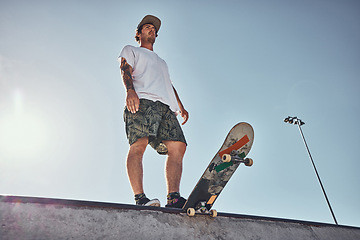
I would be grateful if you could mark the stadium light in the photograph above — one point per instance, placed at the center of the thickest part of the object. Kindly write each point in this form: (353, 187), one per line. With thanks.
(299, 123)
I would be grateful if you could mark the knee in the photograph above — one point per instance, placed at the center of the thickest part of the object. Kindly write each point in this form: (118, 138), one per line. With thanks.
(138, 148)
(176, 149)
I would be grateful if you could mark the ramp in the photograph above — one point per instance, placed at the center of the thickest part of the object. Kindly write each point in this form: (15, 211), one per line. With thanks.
(25, 218)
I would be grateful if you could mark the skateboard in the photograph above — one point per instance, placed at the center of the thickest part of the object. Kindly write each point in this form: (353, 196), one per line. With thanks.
(232, 153)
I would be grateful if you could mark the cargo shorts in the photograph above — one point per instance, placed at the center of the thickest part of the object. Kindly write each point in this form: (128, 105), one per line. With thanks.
(154, 120)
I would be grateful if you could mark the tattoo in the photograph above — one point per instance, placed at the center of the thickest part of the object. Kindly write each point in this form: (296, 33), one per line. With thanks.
(126, 71)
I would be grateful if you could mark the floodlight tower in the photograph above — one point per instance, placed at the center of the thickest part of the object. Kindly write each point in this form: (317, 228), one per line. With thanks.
(299, 123)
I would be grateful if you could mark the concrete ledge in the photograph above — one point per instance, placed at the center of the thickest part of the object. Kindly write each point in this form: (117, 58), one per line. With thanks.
(43, 218)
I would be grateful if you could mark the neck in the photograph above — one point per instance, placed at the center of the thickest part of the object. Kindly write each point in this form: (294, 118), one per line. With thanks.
(147, 46)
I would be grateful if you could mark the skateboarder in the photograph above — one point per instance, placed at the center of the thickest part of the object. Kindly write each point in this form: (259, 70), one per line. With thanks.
(150, 113)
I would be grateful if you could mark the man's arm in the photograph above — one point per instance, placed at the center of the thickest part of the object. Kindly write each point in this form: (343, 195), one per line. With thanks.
(132, 99)
(184, 114)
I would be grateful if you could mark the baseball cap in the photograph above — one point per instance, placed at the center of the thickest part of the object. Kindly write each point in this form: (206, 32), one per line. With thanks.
(152, 20)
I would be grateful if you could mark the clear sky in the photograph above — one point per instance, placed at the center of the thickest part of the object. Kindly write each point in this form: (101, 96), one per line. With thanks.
(62, 98)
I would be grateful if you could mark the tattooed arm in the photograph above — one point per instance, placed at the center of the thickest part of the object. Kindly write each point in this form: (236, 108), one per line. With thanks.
(132, 99)
(184, 114)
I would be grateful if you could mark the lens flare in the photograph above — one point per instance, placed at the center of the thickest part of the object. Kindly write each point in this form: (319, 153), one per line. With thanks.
(23, 132)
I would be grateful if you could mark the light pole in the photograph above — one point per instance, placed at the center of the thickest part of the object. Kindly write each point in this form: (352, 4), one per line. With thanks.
(297, 121)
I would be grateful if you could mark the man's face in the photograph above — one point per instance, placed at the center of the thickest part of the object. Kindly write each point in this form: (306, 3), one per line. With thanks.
(148, 33)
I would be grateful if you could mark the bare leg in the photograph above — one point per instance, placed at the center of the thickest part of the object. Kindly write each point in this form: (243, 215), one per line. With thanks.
(173, 166)
(134, 165)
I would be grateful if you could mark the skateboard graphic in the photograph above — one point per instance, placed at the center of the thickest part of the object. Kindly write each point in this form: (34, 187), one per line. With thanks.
(232, 153)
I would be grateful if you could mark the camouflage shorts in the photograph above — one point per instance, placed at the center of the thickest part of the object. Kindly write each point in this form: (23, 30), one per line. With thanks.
(154, 120)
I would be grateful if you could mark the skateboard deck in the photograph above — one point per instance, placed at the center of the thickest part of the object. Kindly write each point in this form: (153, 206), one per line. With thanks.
(232, 153)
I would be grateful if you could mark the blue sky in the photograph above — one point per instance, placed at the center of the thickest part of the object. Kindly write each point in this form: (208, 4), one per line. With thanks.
(61, 100)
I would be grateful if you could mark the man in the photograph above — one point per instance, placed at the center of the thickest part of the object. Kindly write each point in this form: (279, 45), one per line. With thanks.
(150, 114)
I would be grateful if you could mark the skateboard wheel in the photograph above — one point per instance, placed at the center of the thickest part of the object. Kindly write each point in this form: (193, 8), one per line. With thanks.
(213, 213)
(226, 158)
(249, 162)
(190, 212)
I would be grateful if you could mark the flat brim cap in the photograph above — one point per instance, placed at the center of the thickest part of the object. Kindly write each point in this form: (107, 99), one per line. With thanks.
(151, 20)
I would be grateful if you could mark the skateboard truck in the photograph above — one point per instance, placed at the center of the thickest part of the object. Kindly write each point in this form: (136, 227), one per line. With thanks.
(237, 157)
(201, 208)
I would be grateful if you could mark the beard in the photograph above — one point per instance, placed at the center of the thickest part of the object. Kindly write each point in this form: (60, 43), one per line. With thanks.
(151, 39)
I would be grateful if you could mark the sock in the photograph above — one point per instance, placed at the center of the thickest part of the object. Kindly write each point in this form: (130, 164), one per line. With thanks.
(139, 196)
(173, 197)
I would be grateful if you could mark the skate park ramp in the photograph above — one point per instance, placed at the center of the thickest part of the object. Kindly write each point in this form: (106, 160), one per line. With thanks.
(43, 218)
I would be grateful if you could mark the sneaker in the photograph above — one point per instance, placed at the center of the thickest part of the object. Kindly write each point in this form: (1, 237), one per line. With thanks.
(174, 200)
(142, 200)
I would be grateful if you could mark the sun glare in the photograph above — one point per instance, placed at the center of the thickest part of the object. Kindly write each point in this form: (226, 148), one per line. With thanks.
(22, 133)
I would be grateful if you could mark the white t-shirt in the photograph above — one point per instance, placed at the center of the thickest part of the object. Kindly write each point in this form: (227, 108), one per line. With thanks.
(151, 77)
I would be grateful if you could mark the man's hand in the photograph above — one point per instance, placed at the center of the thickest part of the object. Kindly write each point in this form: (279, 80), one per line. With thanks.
(185, 115)
(132, 101)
